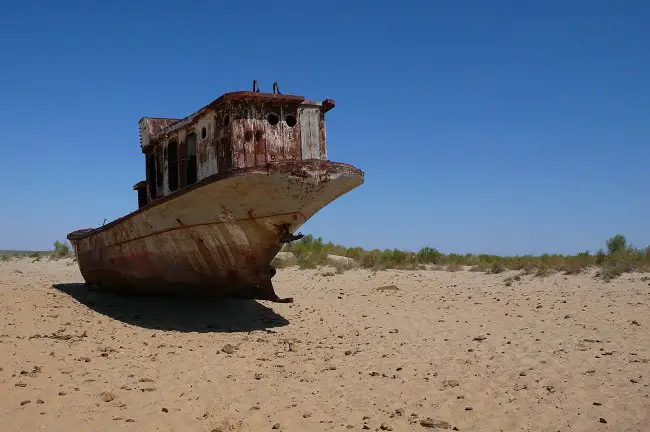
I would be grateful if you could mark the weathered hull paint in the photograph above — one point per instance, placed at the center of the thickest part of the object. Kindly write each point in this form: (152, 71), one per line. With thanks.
(215, 238)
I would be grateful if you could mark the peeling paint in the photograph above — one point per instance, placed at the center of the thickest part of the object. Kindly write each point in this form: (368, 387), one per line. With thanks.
(258, 179)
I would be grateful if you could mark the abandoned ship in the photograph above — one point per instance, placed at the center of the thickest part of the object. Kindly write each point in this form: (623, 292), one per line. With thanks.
(225, 188)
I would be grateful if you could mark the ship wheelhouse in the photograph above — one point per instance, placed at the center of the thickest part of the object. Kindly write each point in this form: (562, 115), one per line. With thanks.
(236, 131)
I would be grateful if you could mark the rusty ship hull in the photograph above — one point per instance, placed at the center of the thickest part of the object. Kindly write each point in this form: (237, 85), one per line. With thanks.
(225, 188)
(216, 237)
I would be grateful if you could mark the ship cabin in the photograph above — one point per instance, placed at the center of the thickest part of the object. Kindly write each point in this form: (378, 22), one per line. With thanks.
(236, 131)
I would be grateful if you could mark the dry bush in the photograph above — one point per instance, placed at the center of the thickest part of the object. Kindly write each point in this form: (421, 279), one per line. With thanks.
(310, 252)
(543, 271)
(496, 268)
(61, 250)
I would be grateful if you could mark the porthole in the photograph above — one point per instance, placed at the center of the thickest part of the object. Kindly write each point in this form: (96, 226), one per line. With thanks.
(291, 120)
(273, 119)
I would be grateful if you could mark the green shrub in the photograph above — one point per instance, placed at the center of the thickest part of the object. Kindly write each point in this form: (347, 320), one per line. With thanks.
(616, 244)
(428, 255)
(61, 250)
(621, 258)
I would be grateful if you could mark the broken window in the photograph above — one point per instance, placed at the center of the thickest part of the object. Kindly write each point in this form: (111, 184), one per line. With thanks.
(172, 165)
(151, 175)
(191, 158)
(182, 164)
(159, 168)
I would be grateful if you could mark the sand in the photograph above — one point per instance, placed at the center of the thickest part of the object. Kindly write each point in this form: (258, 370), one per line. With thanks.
(428, 351)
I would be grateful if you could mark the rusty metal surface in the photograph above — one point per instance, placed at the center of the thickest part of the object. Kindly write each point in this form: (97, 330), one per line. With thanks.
(224, 188)
(224, 100)
(151, 126)
(216, 237)
(237, 130)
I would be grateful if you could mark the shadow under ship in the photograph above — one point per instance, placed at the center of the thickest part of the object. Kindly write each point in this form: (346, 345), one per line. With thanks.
(225, 188)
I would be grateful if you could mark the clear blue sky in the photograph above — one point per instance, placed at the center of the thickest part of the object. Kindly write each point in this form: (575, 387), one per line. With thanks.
(509, 127)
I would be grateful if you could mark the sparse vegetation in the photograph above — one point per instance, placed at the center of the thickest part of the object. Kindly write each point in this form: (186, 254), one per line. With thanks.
(453, 267)
(310, 253)
(619, 257)
(9, 254)
(623, 258)
(497, 268)
(61, 250)
(36, 256)
(544, 270)
(341, 266)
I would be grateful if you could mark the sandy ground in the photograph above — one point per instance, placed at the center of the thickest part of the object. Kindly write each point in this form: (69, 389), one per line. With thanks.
(437, 350)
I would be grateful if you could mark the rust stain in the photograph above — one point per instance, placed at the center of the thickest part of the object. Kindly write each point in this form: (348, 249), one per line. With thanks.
(218, 235)
(181, 227)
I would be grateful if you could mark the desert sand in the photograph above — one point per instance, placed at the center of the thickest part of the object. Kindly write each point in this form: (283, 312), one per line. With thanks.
(363, 350)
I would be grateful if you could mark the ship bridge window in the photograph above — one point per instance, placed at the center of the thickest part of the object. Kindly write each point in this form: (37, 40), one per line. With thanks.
(172, 166)
(291, 120)
(191, 158)
(151, 175)
(159, 167)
